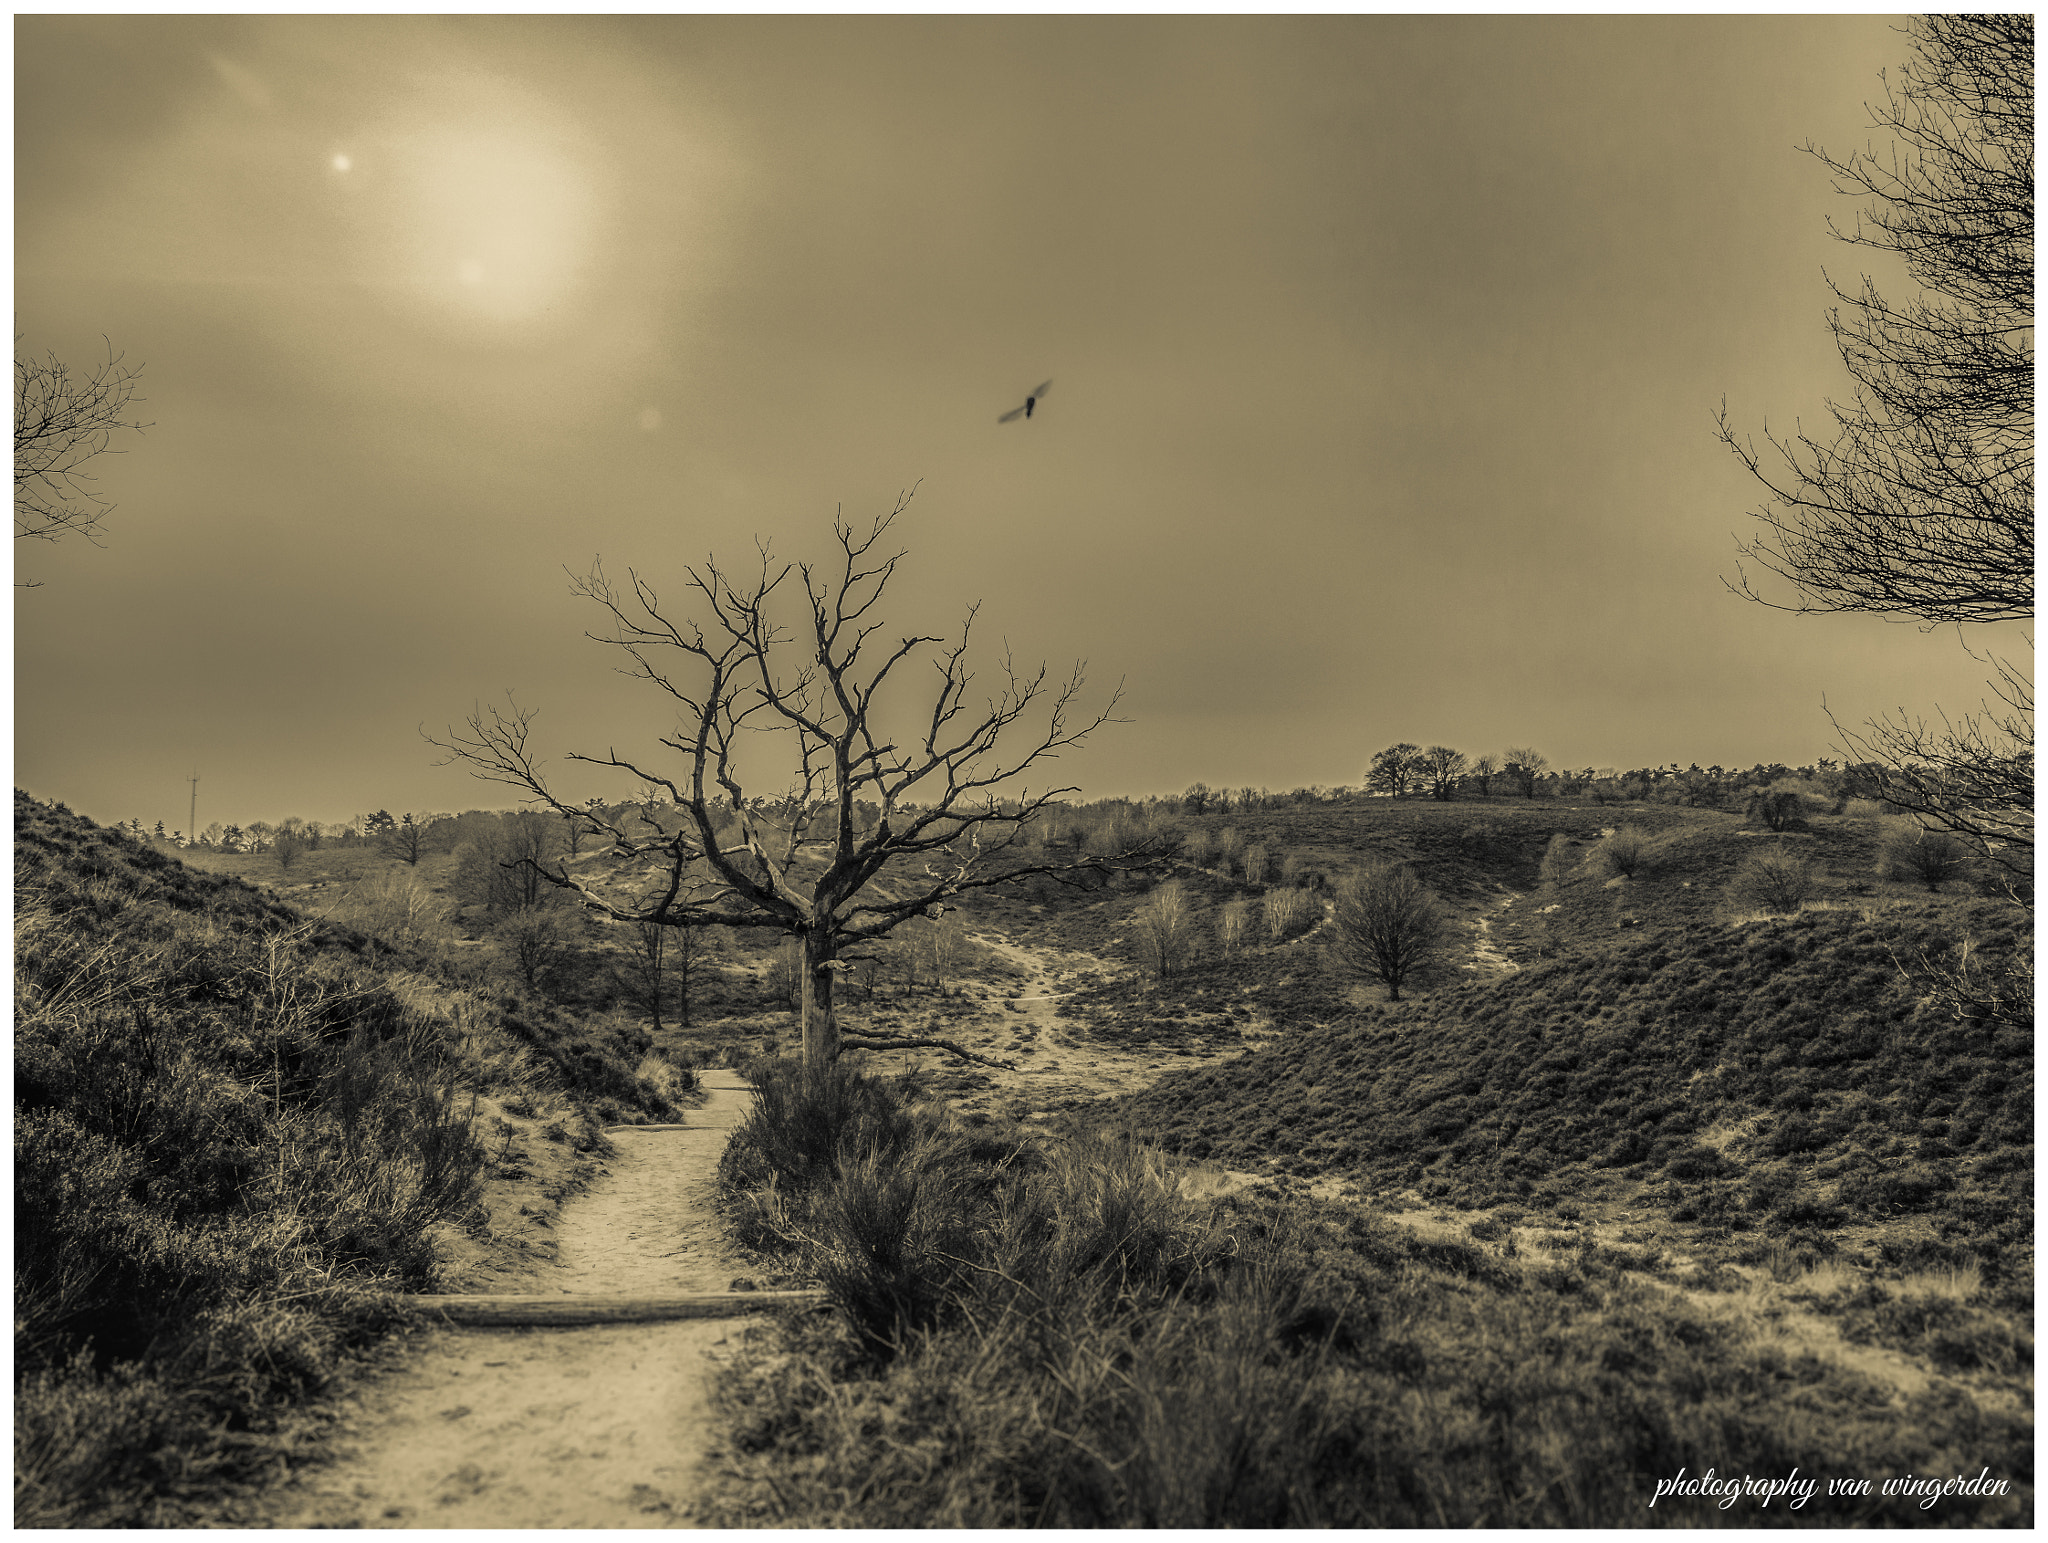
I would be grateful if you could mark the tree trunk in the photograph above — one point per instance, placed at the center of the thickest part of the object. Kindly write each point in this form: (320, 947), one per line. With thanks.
(820, 1027)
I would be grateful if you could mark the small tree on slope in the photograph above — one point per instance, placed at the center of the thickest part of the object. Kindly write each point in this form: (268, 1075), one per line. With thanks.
(1388, 925)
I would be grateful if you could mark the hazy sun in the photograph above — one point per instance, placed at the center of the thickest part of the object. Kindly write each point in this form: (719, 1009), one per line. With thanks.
(508, 216)
(342, 163)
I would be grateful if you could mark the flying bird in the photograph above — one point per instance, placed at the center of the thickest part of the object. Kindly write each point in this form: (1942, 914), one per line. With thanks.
(1030, 405)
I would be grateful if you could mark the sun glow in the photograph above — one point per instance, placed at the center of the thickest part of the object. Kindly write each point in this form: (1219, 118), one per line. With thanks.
(507, 215)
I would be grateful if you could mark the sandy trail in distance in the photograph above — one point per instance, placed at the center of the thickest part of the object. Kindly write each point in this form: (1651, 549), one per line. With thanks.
(560, 1427)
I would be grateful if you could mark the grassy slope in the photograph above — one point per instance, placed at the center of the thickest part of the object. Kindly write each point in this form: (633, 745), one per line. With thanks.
(1759, 1200)
(1038, 1333)
(1786, 1070)
(236, 1128)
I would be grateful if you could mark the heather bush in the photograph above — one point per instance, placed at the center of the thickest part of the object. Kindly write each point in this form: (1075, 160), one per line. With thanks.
(1773, 879)
(1775, 810)
(1623, 854)
(1911, 855)
(1068, 1340)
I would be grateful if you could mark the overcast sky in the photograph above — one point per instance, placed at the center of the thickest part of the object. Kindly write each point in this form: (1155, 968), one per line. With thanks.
(1386, 356)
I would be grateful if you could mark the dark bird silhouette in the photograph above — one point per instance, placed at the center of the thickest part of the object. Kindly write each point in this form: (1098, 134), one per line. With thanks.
(1030, 405)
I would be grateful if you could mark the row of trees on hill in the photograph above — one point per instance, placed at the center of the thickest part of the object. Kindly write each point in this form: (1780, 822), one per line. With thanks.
(1443, 772)
(1408, 770)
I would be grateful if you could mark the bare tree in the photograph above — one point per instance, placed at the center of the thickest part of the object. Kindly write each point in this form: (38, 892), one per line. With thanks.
(1388, 926)
(1918, 501)
(63, 421)
(742, 682)
(1523, 764)
(1484, 769)
(503, 864)
(660, 967)
(533, 943)
(581, 827)
(646, 967)
(1395, 769)
(1971, 775)
(388, 904)
(407, 838)
(1442, 766)
(1284, 910)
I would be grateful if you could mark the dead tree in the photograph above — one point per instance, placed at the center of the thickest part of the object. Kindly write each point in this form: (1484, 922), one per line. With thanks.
(63, 420)
(888, 817)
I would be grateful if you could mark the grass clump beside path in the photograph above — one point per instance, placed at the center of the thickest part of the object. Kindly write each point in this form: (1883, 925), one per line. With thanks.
(1037, 1333)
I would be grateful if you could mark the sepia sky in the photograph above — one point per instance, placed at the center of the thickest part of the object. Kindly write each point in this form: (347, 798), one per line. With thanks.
(1386, 356)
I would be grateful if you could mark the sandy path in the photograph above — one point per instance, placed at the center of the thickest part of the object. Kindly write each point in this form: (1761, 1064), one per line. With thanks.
(1064, 1063)
(581, 1427)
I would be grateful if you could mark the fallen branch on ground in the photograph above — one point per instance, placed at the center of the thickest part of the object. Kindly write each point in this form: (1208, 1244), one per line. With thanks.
(866, 1042)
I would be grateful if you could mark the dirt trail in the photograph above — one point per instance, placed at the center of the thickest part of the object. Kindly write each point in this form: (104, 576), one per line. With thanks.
(1060, 1062)
(580, 1427)
(1486, 952)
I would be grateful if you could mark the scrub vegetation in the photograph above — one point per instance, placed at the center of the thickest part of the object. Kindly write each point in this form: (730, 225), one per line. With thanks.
(1637, 1175)
(238, 1131)
(1681, 1182)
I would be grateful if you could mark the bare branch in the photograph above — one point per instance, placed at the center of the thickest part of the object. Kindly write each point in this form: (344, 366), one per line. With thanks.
(868, 1041)
(63, 421)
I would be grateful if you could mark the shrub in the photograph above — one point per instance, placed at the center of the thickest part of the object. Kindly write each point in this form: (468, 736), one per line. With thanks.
(880, 1235)
(1285, 910)
(783, 976)
(1165, 929)
(1623, 854)
(1233, 925)
(1558, 859)
(1929, 857)
(1777, 811)
(1257, 862)
(1773, 879)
